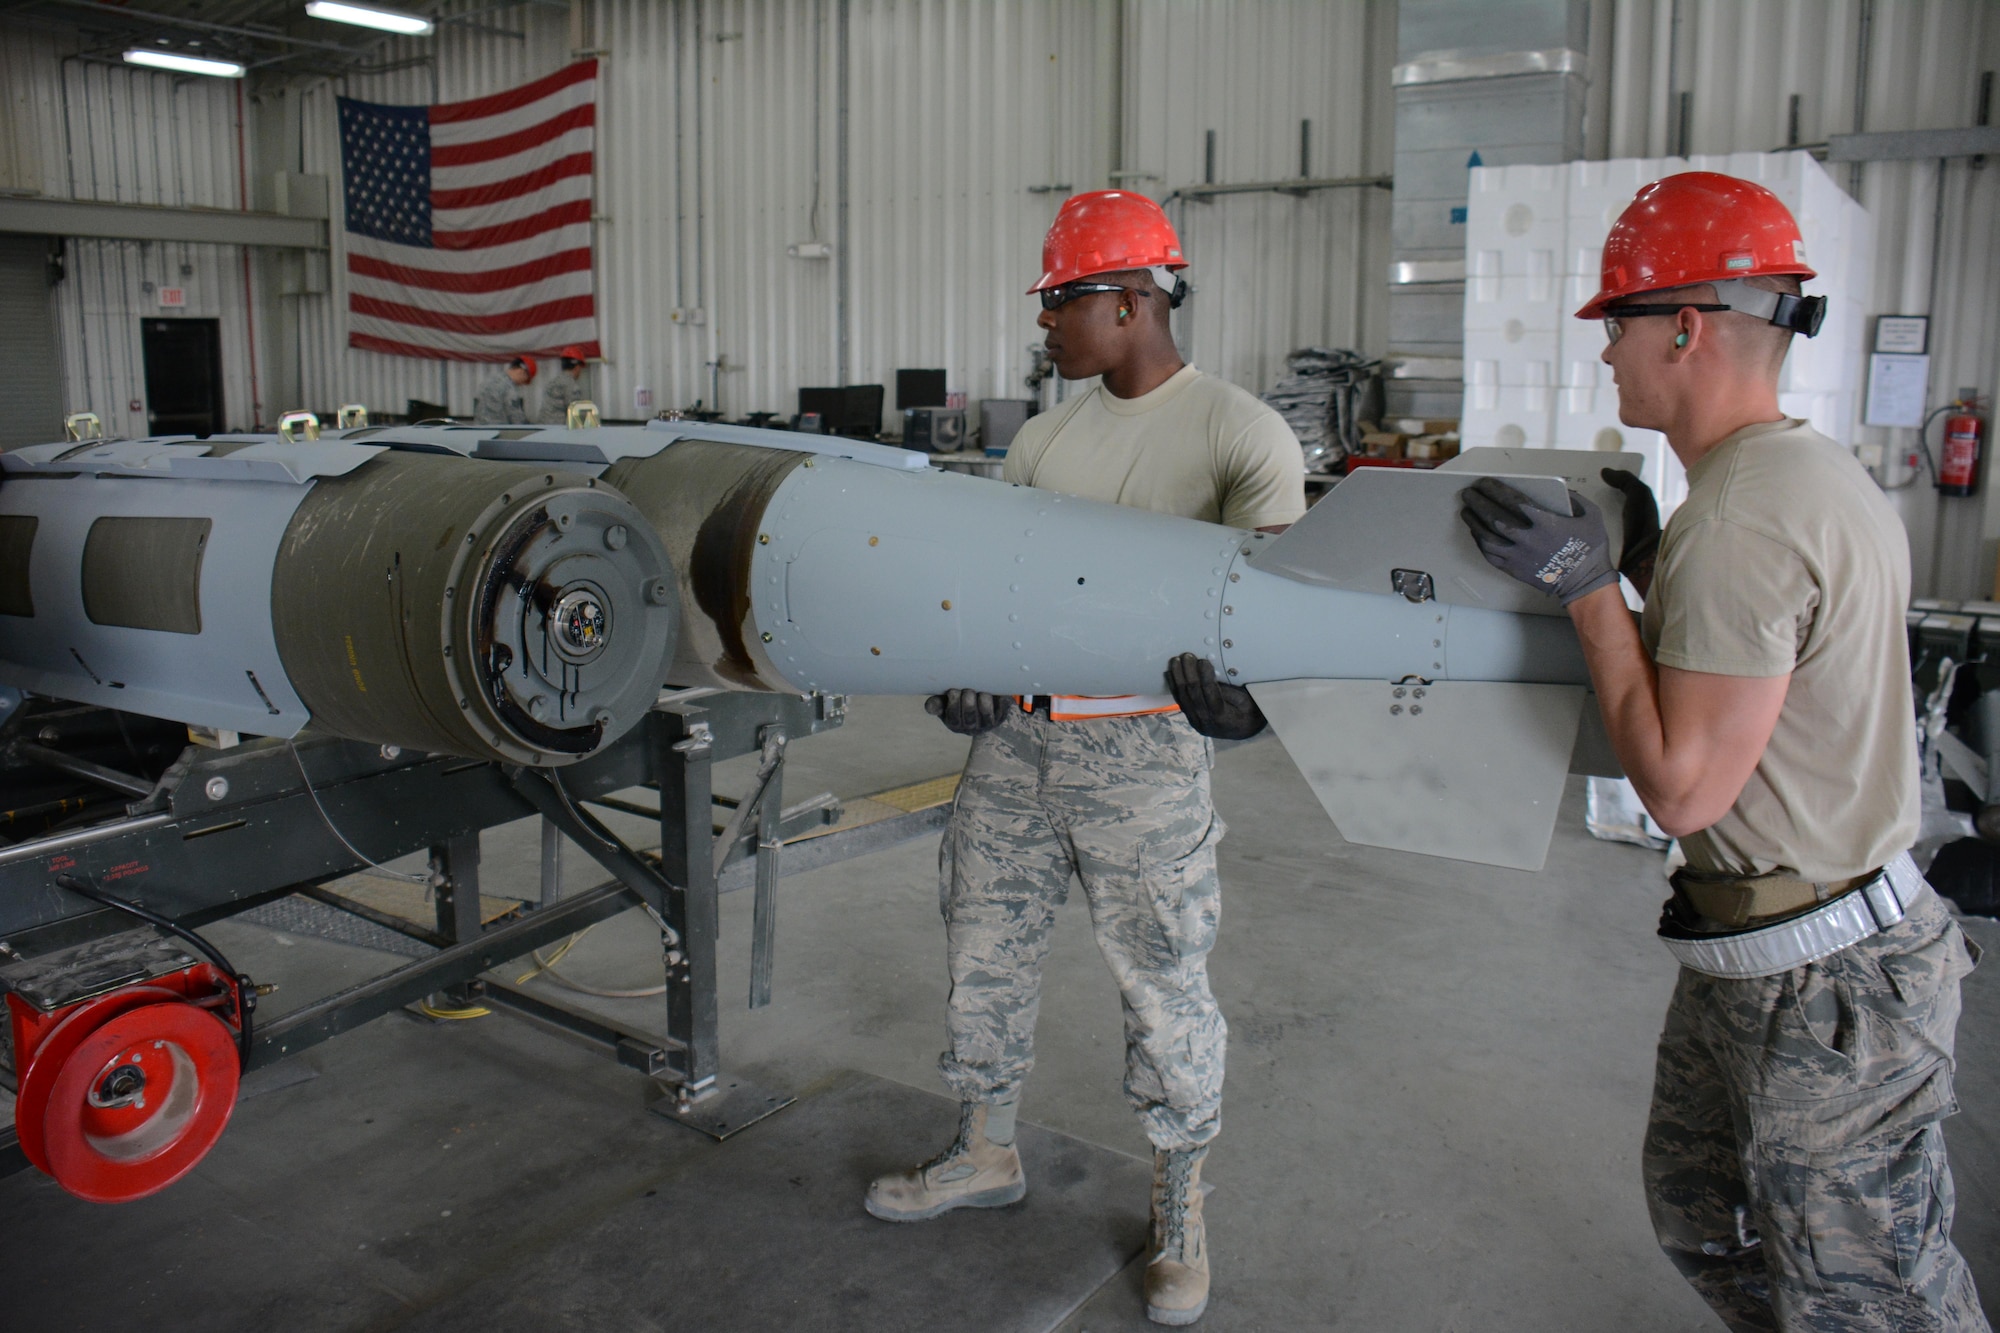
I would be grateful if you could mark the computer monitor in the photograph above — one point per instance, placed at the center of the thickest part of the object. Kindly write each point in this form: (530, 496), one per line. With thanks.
(919, 388)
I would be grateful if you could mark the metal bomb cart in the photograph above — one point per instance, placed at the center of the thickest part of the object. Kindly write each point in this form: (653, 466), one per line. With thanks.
(129, 1032)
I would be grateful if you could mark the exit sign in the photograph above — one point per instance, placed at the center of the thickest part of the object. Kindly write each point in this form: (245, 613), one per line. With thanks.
(173, 298)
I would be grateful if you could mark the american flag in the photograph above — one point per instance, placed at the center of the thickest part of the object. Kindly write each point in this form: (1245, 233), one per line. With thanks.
(468, 223)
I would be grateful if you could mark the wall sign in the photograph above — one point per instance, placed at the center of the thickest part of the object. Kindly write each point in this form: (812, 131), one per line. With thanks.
(1908, 334)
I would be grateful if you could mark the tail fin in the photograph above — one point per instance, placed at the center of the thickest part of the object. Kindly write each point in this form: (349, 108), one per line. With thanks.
(1471, 770)
(1381, 520)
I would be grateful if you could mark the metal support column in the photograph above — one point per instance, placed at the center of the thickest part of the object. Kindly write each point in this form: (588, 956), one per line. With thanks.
(455, 875)
(681, 764)
(764, 911)
(455, 871)
(704, 1098)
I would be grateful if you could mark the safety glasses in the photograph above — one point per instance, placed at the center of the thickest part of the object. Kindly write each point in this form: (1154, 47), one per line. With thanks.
(1056, 297)
(1614, 313)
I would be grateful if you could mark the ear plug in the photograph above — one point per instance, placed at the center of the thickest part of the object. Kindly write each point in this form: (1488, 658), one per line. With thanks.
(1680, 340)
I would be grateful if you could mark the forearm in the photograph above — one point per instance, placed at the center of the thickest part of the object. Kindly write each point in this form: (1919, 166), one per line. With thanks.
(1667, 777)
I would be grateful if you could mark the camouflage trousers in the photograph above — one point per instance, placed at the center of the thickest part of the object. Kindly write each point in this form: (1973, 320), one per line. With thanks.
(1123, 805)
(1807, 1108)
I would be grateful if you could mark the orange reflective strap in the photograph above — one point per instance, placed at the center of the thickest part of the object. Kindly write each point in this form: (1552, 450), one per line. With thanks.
(1088, 707)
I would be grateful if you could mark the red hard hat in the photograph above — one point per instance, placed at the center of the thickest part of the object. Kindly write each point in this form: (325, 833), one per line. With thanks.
(1699, 226)
(573, 353)
(1105, 231)
(527, 364)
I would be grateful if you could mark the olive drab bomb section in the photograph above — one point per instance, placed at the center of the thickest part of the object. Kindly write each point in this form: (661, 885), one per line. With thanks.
(488, 609)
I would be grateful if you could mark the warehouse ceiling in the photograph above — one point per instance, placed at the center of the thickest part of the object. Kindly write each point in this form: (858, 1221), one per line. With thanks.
(262, 35)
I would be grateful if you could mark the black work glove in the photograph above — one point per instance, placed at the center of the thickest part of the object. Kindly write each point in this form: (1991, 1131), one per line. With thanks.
(1566, 555)
(968, 712)
(1642, 526)
(1212, 707)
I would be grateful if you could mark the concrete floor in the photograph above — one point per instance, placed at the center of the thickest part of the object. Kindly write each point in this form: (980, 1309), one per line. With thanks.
(1438, 1078)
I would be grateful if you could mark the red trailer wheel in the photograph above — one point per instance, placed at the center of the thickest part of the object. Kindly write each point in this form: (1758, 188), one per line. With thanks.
(46, 1061)
(139, 1102)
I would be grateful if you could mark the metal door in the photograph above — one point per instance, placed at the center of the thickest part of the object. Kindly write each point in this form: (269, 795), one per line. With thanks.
(31, 391)
(183, 375)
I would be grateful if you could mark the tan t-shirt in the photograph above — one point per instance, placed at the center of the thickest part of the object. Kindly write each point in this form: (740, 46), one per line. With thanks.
(1786, 557)
(1196, 446)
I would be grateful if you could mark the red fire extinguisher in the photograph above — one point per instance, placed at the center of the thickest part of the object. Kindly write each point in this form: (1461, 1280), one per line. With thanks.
(1964, 434)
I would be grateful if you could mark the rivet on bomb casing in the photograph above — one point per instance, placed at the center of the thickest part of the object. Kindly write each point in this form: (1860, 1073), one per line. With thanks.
(659, 591)
(564, 520)
(615, 536)
(1415, 709)
(1228, 610)
(876, 651)
(216, 789)
(1418, 693)
(767, 636)
(1397, 693)
(874, 541)
(763, 539)
(1236, 578)
(945, 604)
(1232, 671)
(1395, 708)
(1229, 643)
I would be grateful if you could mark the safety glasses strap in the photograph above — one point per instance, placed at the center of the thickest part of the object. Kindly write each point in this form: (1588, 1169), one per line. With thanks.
(1800, 314)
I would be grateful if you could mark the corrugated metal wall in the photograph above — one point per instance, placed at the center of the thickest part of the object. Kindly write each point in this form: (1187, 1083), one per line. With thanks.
(85, 129)
(459, 62)
(1272, 272)
(968, 122)
(1937, 251)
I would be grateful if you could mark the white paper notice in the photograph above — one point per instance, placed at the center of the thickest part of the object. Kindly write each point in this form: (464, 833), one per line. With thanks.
(1896, 389)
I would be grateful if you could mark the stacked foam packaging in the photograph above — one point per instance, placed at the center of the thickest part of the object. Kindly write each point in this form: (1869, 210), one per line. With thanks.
(1534, 238)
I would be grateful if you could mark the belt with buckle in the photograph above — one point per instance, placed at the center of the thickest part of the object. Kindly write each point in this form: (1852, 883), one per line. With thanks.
(1877, 903)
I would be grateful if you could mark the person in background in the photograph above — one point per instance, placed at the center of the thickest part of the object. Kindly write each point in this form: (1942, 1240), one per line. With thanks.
(500, 402)
(565, 388)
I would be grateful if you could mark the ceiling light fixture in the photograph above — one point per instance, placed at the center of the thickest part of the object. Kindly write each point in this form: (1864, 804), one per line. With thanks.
(372, 16)
(218, 69)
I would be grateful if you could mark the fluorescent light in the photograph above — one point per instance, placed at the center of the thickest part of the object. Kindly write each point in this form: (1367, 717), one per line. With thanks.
(220, 69)
(372, 16)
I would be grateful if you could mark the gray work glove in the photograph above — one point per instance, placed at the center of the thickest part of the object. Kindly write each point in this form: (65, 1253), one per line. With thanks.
(1566, 555)
(1212, 707)
(968, 712)
(1642, 525)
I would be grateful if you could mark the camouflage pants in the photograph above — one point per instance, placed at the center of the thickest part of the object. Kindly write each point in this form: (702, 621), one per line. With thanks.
(1812, 1100)
(1123, 805)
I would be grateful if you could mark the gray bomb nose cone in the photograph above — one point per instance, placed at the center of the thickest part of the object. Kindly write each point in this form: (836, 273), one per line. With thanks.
(484, 609)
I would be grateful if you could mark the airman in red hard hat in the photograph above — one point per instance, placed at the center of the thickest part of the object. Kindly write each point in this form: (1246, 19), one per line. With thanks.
(1114, 792)
(500, 401)
(565, 388)
(1794, 1163)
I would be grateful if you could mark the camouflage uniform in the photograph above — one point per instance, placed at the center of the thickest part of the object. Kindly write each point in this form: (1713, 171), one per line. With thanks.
(1813, 1100)
(499, 403)
(1122, 804)
(556, 398)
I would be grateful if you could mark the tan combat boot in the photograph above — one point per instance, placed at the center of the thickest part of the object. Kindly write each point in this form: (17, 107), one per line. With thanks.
(1177, 1275)
(974, 1172)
